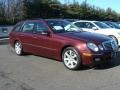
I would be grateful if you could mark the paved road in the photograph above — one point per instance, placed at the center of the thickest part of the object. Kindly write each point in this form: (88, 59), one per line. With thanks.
(31, 72)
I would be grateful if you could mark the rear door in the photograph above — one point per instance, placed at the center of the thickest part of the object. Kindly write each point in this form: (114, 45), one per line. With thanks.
(25, 36)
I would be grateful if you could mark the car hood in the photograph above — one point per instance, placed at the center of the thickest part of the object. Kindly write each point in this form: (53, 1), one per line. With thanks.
(111, 30)
(86, 36)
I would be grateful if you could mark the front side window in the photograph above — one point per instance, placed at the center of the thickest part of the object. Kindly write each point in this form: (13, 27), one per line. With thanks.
(40, 27)
(28, 27)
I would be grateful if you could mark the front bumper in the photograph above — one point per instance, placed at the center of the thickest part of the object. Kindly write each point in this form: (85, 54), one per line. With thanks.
(92, 59)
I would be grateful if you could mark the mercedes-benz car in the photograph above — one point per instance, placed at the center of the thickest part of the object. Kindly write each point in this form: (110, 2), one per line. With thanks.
(61, 40)
(99, 27)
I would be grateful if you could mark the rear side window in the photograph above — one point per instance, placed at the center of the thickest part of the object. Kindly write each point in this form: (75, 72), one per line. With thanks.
(79, 24)
(17, 27)
(28, 27)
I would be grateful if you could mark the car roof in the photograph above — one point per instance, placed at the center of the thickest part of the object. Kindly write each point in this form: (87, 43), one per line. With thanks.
(71, 20)
(55, 20)
(36, 20)
(45, 20)
(85, 21)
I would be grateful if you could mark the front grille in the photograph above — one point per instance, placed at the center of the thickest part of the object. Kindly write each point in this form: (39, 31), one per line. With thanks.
(110, 45)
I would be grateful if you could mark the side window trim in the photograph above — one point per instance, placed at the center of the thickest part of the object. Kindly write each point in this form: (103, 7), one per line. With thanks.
(84, 24)
(95, 26)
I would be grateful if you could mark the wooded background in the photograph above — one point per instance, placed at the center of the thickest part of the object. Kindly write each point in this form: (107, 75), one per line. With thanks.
(12, 11)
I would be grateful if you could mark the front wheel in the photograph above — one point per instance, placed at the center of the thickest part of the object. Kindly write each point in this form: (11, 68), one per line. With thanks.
(71, 58)
(114, 38)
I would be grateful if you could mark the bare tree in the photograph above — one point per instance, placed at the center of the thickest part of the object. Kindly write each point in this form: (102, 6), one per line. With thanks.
(2, 12)
(14, 10)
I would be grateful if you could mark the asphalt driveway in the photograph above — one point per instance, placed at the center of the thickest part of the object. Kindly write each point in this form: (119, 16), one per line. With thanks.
(32, 72)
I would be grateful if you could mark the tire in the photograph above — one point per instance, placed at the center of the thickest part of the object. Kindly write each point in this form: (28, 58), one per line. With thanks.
(114, 38)
(71, 58)
(18, 48)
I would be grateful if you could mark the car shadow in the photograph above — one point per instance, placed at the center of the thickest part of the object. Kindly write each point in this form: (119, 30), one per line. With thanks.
(5, 42)
(102, 66)
(108, 65)
(113, 63)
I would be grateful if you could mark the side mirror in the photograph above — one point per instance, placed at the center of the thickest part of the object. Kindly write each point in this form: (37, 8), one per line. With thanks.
(94, 28)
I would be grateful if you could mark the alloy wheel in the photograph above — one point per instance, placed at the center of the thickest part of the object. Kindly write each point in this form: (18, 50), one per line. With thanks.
(71, 58)
(18, 48)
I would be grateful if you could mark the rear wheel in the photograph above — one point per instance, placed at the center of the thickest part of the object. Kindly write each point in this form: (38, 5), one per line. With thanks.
(18, 48)
(71, 58)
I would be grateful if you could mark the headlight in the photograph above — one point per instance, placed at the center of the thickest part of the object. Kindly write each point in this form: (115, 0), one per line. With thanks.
(93, 47)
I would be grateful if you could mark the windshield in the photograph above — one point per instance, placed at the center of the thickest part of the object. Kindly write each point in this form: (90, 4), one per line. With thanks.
(102, 25)
(61, 26)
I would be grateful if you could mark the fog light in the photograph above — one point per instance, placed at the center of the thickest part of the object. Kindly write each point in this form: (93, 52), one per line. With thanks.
(101, 48)
(97, 59)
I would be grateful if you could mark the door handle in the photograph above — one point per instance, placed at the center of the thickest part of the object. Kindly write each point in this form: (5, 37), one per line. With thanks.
(22, 35)
(35, 37)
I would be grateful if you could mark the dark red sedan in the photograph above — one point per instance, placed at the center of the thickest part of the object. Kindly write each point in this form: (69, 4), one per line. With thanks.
(59, 39)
